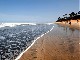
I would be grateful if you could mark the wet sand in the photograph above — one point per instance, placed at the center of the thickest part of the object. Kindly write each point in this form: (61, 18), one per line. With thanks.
(62, 43)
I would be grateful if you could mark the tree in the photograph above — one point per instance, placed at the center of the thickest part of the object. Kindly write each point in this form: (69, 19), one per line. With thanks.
(70, 15)
(65, 16)
(79, 12)
(73, 14)
(59, 18)
(76, 14)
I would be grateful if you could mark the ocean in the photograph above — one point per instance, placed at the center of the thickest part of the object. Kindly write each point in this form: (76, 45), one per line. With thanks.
(16, 37)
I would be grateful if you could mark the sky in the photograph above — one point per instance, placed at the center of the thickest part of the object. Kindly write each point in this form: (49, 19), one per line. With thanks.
(36, 11)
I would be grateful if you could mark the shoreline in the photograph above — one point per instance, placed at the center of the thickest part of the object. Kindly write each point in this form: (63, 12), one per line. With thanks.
(55, 45)
(74, 25)
(18, 57)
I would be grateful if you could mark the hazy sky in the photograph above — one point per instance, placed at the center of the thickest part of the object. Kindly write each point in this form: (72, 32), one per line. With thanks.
(36, 10)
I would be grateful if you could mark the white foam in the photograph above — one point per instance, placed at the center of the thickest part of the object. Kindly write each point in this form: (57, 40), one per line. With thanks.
(32, 44)
(47, 31)
(52, 28)
(42, 35)
(14, 24)
(49, 23)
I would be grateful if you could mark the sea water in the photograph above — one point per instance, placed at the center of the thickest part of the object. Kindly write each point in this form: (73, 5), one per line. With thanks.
(16, 37)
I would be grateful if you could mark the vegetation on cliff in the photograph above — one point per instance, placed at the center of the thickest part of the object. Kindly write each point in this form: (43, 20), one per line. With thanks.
(68, 17)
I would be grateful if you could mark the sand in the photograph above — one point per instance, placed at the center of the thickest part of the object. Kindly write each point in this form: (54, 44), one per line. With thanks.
(61, 43)
(73, 25)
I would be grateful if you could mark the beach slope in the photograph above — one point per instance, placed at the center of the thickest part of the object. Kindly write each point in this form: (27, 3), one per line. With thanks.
(61, 43)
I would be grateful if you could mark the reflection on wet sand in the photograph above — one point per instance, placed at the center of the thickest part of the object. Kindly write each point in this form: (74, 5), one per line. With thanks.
(62, 43)
(72, 36)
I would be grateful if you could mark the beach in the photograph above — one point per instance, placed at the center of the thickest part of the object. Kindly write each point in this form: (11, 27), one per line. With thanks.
(39, 30)
(62, 43)
(74, 24)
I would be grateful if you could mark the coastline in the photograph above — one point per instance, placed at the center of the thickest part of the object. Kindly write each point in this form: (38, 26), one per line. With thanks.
(73, 25)
(54, 46)
(22, 53)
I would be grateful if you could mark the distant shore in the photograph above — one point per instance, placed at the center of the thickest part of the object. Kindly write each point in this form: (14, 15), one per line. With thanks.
(74, 24)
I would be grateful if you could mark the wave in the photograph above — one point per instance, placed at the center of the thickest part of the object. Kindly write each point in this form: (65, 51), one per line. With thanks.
(19, 56)
(14, 24)
(14, 40)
